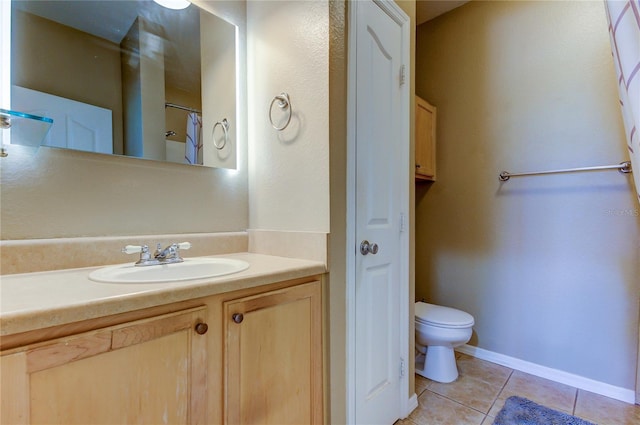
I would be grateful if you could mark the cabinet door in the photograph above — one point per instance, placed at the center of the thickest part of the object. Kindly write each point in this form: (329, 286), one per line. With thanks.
(273, 352)
(150, 371)
(425, 140)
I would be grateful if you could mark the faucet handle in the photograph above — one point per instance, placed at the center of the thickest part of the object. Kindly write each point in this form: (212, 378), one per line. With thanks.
(184, 245)
(134, 249)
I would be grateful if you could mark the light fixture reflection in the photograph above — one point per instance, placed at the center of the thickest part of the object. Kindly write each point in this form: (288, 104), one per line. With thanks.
(174, 4)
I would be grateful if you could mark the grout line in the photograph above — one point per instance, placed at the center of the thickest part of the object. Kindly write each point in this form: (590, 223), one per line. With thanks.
(456, 401)
(501, 390)
(421, 392)
(575, 402)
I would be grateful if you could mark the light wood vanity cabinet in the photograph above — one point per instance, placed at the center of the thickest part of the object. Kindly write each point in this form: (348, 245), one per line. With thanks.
(148, 371)
(425, 140)
(273, 352)
(193, 362)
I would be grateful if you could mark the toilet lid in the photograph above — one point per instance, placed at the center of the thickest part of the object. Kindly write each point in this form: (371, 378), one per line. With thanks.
(445, 317)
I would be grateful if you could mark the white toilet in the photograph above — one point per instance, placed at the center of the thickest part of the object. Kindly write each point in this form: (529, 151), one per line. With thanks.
(438, 331)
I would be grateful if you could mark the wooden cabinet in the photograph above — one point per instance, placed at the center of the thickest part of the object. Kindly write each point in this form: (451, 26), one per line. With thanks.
(149, 371)
(163, 365)
(425, 140)
(273, 357)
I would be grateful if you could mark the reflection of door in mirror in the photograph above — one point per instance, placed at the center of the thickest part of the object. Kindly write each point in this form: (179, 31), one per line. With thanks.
(127, 60)
(78, 125)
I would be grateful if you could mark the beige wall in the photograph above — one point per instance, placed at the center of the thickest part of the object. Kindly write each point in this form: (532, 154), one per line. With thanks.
(62, 193)
(336, 284)
(288, 51)
(547, 265)
(65, 62)
(218, 53)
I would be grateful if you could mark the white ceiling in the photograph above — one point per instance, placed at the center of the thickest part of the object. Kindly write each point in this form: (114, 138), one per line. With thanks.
(429, 9)
(112, 23)
(102, 19)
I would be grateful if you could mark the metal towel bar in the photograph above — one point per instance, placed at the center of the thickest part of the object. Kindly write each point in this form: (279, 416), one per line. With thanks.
(184, 108)
(623, 167)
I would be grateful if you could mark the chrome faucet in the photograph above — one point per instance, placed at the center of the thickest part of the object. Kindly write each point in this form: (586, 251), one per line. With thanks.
(168, 255)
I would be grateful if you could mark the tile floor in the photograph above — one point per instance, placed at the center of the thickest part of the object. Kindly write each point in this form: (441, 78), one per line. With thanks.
(478, 394)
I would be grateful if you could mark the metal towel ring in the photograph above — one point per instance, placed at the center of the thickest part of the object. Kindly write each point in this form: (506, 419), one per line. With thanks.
(225, 129)
(283, 103)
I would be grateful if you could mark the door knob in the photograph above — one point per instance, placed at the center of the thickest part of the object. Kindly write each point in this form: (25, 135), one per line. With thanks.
(237, 317)
(366, 248)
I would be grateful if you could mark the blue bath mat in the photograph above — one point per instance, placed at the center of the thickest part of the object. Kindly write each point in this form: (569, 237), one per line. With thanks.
(520, 411)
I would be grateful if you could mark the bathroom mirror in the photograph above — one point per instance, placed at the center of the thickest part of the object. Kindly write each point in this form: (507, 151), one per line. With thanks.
(127, 77)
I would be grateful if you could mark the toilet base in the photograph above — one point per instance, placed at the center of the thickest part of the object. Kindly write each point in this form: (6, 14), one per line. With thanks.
(439, 364)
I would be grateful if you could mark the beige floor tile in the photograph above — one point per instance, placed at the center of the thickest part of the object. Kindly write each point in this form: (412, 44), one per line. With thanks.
(605, 410)
(459, 403)
(488, 372)
(497, 406)
(406, 421)
(478, 384)
(421, 384)
(488, 420)
(469, 391)
(539, 390)
(434, 409)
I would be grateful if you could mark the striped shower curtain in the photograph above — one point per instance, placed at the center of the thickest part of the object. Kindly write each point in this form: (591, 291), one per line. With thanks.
(624, 32)
(193, 145)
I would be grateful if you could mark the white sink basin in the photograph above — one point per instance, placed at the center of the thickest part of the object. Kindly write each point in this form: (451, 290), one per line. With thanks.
(190, 269)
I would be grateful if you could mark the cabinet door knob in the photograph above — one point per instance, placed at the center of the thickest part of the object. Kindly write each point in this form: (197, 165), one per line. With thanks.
(237, 317)
(201, 328)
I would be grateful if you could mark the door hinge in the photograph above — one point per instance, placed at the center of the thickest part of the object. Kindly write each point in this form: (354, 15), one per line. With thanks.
(403, 76)
(402, 368)
(403, 222)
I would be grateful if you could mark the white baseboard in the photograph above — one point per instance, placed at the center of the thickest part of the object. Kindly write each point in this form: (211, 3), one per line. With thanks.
(412, 404)
(577, 381)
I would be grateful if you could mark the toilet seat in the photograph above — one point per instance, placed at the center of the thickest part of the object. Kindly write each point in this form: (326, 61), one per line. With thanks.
(443, 317)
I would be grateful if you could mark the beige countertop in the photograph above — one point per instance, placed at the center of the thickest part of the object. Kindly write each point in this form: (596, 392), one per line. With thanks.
(39, 300)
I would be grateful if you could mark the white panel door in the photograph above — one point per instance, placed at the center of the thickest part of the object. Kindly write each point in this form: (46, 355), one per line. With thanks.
(76, 125)
(379, 179)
